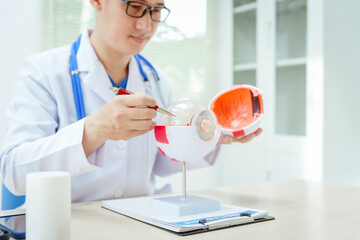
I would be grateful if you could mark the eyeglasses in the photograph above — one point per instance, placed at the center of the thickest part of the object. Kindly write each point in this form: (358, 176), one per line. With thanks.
(139, 9)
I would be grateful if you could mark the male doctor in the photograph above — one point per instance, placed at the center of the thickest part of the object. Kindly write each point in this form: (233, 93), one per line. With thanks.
(111, 153)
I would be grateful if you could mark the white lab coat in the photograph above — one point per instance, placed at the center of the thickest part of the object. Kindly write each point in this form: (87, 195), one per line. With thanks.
(44, 134)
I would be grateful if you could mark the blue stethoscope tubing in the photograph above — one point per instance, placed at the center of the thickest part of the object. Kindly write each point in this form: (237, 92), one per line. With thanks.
(75, 78)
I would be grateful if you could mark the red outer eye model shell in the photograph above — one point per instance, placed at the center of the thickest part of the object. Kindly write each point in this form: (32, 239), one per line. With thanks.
(239, 110)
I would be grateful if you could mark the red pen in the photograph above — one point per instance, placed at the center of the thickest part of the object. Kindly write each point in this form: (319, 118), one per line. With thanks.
(122, 91)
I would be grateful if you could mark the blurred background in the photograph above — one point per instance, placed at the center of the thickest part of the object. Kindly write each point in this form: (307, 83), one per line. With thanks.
(303, 54)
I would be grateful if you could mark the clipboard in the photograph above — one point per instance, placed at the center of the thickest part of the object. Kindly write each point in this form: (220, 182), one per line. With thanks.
(267, 218)
(228, 216)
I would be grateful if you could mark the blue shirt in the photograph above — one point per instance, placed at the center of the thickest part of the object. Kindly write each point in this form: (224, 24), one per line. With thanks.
(122, 84)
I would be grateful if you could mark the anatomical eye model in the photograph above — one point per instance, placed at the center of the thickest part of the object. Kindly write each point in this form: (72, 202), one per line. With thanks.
(194, 132)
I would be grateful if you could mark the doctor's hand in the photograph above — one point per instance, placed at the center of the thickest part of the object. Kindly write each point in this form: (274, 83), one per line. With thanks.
(226, 139)
(122, 118)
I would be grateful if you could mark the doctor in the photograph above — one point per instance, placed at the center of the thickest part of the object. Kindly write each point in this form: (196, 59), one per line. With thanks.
(111, 152)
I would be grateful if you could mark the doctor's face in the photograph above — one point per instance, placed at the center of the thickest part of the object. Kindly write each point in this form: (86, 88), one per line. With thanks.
(125, 34)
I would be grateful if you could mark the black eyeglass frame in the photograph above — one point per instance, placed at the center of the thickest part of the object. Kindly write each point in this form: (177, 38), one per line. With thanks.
(148, 8)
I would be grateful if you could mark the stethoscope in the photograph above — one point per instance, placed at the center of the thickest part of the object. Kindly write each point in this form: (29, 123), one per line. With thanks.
(75, 78)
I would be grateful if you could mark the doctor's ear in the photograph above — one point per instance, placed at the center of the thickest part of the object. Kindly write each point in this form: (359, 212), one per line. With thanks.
(97, 4)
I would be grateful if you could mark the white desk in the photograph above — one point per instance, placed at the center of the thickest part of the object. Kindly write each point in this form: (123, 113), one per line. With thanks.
(302, 210)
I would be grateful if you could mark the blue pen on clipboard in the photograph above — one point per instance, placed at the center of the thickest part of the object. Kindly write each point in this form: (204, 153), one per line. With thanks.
(206, 220)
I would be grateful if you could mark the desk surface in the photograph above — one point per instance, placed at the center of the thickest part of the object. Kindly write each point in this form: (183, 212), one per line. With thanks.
(303, 210)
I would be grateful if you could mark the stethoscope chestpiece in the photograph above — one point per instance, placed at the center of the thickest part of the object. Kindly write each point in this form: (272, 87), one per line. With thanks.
(4, 234)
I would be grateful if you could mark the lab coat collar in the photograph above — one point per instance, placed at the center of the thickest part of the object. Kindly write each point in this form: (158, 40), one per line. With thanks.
(90, 67)
(86, 56)
(135, 80)
(97, 79)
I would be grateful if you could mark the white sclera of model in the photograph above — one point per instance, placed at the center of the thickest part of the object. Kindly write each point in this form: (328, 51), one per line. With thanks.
(189, 136)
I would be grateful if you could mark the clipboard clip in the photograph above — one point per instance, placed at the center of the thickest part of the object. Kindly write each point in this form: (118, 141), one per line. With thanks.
(226, 220)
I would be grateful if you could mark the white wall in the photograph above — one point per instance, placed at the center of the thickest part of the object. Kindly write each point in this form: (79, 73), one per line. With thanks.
(342, 92)
(19, 31)
(19, 37)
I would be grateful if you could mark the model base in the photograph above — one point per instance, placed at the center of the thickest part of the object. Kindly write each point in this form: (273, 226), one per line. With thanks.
(178, 206)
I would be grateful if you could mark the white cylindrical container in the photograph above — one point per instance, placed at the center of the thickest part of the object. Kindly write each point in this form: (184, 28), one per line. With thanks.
(48, 206)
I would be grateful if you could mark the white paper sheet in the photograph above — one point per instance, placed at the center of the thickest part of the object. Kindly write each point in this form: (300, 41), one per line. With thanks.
(140, 208)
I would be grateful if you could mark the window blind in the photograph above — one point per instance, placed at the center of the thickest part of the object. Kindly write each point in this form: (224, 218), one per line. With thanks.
(63, 20)
(184, 47)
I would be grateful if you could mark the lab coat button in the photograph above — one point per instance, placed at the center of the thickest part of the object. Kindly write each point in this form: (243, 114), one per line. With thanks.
(118, 194)
(122, 143)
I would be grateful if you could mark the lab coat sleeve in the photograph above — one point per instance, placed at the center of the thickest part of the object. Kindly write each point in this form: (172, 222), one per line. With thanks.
(33, 141)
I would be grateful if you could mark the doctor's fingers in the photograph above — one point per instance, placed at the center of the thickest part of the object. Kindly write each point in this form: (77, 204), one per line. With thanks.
(245, 139)
(136, 100)
(141, 125)
(258, 132)
(249, 137)
(141, 113)
(133, 131)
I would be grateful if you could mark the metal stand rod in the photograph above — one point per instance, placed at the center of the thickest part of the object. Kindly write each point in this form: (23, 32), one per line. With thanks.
(184, 180)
